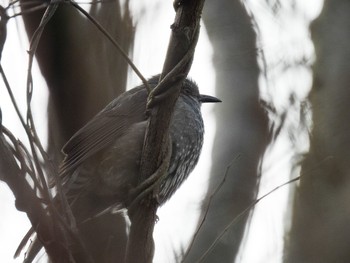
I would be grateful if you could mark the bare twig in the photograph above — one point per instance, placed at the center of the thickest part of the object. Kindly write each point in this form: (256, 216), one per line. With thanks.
(30, 122)
(46, 232)
(114, 42)
(30, 10)
(27, 201)
(12, 97)
(216, 190)
(242, 214)
(34, 140)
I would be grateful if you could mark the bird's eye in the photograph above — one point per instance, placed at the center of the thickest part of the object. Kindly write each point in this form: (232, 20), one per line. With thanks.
(186, 91)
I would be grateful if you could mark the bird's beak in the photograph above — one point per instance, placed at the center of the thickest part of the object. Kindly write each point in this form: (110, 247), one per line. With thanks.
(207, 98)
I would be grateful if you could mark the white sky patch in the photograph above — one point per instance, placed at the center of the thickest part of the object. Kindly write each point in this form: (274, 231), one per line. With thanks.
(285, 45)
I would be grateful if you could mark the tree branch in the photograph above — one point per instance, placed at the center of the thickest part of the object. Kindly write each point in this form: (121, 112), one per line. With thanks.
(27, 201)
(183, 40)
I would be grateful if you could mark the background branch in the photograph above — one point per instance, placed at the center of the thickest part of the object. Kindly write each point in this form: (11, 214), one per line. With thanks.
(74, 71)
(27, 201)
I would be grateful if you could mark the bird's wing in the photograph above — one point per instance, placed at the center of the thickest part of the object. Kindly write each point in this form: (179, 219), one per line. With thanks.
(111, 123)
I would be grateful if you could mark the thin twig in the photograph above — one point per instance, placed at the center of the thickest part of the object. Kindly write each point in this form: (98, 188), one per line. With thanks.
(12, 97)
(216, 190)
(22, 155)
(30, 10)
(242, 214)
(114, 42)
(35, 143)
(33, 139)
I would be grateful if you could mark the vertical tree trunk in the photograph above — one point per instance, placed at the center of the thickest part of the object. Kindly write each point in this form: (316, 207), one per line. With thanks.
(84, 72)
(320, 228)
(242, 128)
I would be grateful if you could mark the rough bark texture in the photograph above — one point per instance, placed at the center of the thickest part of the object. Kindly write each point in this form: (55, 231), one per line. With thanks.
(320, 228)
(242, 128)
(84, 72)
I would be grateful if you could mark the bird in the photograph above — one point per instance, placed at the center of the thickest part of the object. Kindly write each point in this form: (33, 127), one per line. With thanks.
(101, 166)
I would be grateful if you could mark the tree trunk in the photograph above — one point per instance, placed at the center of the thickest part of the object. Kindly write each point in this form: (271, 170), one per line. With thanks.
(320, 225)
(84, 72)
(241, 133)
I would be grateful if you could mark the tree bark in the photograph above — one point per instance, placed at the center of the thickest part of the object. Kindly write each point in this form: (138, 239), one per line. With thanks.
(178, 61)
(241, 129)
(320, 224)
(83, 72)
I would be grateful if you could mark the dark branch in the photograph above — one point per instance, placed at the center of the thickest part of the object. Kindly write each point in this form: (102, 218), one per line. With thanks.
(27, 201)
(176, 67)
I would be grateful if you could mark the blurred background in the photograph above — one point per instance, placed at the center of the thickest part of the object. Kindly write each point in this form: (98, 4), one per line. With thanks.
(281, 69)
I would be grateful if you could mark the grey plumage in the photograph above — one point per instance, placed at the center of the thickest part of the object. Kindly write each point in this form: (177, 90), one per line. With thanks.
(102, 160)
